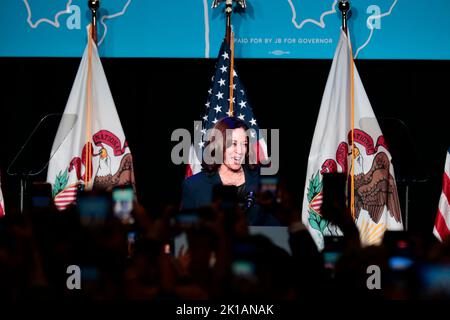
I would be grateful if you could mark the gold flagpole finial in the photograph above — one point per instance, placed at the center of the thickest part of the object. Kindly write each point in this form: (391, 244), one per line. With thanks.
(229, 11)
(216, 3)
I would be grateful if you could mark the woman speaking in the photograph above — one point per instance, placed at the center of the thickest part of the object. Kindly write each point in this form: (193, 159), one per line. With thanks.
(226, 161)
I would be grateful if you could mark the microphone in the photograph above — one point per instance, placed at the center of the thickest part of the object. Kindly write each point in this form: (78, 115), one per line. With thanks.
(250, 200)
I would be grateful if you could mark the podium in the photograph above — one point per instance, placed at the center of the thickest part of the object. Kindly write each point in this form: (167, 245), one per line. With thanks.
(36, 152)
(408, 168)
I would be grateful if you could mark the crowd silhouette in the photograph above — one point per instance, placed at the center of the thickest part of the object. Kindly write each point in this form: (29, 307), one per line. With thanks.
(223, 261)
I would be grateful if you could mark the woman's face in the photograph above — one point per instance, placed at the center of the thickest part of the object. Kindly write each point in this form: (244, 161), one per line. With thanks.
(236, 151)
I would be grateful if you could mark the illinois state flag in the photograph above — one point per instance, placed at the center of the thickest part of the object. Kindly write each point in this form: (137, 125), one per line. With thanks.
(442, 224)
(344, 106)
(91, 150)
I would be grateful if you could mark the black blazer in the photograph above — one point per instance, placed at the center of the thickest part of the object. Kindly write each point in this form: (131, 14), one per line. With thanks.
(198, 189)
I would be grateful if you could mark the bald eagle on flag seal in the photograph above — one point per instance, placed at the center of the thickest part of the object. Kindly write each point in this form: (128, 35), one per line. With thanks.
(104, 179)
(376, 189)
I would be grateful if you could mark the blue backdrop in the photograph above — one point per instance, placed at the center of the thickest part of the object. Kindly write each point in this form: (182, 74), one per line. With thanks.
(380, 29)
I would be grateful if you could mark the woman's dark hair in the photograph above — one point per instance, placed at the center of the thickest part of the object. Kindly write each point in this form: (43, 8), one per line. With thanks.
(228, 123)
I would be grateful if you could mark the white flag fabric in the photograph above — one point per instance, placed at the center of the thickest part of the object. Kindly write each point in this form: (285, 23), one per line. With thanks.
(442, 224)
(95, 152)
(375, 193)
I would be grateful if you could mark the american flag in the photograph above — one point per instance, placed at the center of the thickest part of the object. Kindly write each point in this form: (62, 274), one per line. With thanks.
(442, 223)
(218, 107)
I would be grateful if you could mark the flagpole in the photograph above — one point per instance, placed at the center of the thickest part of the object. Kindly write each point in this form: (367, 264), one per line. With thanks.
(232, 74)
(230, 41)
(229, 11)
(344, 7)
(229, 38)
(94, 5)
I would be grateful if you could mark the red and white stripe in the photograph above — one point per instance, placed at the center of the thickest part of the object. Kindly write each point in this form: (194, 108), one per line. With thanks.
(442, 224)
(2, 204)
(66, 197)
(316, 202)
(194, 166)
(261, 151)
(2, 211)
